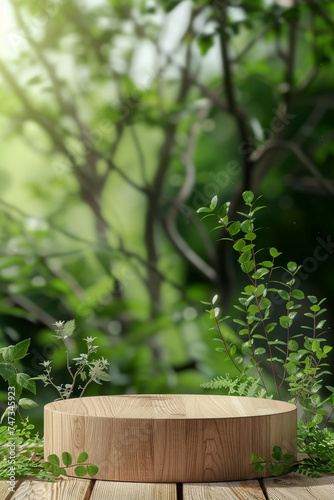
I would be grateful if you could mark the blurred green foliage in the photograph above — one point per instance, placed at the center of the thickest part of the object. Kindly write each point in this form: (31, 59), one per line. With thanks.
(119, 119)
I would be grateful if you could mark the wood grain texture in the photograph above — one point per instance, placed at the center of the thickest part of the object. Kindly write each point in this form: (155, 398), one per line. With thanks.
(64, 489)
(170, 438)
(297, 487)
(248, 490)
(104, 490)
(4, 492)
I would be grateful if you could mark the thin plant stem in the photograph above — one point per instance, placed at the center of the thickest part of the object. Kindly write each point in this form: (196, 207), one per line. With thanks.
(256, 364)
(224, 342)
(287, 345)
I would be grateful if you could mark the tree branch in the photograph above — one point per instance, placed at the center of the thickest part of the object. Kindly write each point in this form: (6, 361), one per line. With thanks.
(182, 196)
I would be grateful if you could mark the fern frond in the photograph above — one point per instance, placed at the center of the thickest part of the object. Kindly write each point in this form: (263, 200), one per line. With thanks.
(241, 385)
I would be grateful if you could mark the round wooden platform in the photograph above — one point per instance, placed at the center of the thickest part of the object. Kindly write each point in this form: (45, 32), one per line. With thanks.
(170, 438)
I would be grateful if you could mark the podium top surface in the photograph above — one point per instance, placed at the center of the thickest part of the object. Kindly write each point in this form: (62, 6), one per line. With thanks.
(170, 406)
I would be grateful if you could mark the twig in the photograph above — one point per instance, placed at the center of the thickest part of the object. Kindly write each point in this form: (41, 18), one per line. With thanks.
(33, 308)
(294, 148)
(242, 126)
(141, 157)
(181, 198)
(251, 44)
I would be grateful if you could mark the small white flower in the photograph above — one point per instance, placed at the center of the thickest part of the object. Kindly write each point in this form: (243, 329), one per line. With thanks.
(90, 340)
(46, 363)
(59, 324)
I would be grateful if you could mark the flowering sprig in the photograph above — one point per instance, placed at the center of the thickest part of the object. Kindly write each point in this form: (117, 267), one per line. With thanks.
(85, 368)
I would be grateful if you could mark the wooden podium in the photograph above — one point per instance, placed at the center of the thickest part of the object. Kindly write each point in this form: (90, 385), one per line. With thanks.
(170, 438)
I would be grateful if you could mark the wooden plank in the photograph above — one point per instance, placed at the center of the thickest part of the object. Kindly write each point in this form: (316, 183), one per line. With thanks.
(63, 489)
(297, 487)
(107, 490)
(4, 491)
(236, 490)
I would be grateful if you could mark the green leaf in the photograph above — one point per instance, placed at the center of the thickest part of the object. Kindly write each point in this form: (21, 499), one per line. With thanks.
(17, 351)
(270, 327)
(285, 321)
(283, 294)
(66, 458)
(55, 470)
(293, 345)
(205, 42)
(248, 247)
(233, 350)
(54, 459)
(213, 203)
(220, 349)
(312, 299)
(27, 404)
(25, 381)
(92, 470)
(239, 245)
(248, 266)
(240, 322)
(234, 228)
(69, 327)
(258, 208)
(259, 467)
(204, 209)
(105, 377)
(7, 371)
(265, 304)
(256, 458)
(260, 289)
(292, 266)
(223, 211)
(80, 471)
(245, 257)
(214, 300)
(214, 313)
(297, 294)
(247, 226)
(266, 263)
(82, 457)
(321, 324)
(260, 273)
(315, 308)
(248, 196)
(259, 351)
(250, 236)
(274, 252)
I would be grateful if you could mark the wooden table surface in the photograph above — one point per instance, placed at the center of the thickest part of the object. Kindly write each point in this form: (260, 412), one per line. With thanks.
(288, 487)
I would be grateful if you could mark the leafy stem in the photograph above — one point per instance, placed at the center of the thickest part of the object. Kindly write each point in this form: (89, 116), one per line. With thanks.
(223, 340)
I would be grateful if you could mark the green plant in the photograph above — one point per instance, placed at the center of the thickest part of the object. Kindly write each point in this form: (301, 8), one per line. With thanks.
(27, 459)
(86, 369)
(296, 361)
(17, 380)
(28, 448)
(53, 465)
(21, 451)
